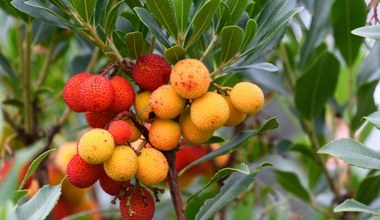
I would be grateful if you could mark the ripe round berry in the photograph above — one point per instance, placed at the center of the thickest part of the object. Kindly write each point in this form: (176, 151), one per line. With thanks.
(136, 134)
(247, 97)
(209, 112)
(80, 173)
(164, 134)
(122, 165)
(151, 71)
(190, 132)
(99, 119)
(236, 117)
(121, 131)
(166, 103)
(71, 92)
(141, 205)
(142, 106)
(190, 78)
(96, 146)
(96, 93)
(110, 186)
(152, 167)
(124, 95)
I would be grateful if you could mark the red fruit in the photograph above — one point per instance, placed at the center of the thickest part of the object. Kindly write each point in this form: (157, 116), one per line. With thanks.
(61, 209)
(99, 119)
(71, 92)
(141, 205)
(4, 170)
(124, 95)
(96, 93)
(121, 131)
(187, 155)
(151, 71)
(82, 174)
(109, 185)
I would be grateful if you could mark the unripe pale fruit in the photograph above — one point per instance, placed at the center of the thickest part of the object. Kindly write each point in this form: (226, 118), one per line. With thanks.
(209, 112)
(190, 78)
(247, 97)
(151, 71)
(142, 106)
(71, 92)
(166, 103)
(110, 186)
(96, 93)
(141, 205)
(236, 117)
(96, 146)
(136, 134)
(64, 154)
(164, 134)
(190, 132)
(82, 174)
(122, 165)
(124, 95)
(99, 119)
(152, 167)
(121, 131)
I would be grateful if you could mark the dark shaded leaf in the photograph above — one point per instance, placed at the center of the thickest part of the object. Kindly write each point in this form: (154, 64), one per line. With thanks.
(365, 103)
(250, 32)
(164, 13)
(368, 189)
(291, 183)
(175, 53)
(85, 9)
(134, 42)
(232, 38)
(182, 12)
(111, 18)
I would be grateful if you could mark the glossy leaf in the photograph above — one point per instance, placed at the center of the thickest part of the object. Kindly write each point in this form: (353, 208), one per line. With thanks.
(365, 103)
(134, 42)
(372, 32)
(111, 18)
(353, 153)
(100, 11)
(85, 9)
(175, 53)
(268, 67)
(374, 119)
(346, 15)
(182, 12)
(291, 183)
(316, 85)
(368, 189)
(232, 12)
(231, 40)
(250, 32)
(351, 205)
(164, 13)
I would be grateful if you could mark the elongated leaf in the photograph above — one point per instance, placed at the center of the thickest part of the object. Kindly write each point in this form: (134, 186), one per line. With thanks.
(85, 9)
(268, 67)
(100, 11)
(111, 17)
(232, 12)
(16, 195)
(250, 31)
(372, 32)
(346, 15)
(152, 25)
(316, 85)
(202, 19)
(290, 182)
(175, 53)
(182, 12)
(368, 189)
(369, 67)
(353, 153)
(135, 43)
(164, 13)
(7, 210)
(5, 66)
(234, 143)
(374, 119)
(365, 102)
(133, 3)
(232, 38)
(351, 205)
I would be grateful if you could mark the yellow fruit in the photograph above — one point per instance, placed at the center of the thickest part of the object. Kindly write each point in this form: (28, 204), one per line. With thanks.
(222, 160)
(142, 106)
(236, 117)
(152, 167)
(166, 103)
(209, 112)
(122, 165)
(64, 154)
(96, 146)
(135, 131)
(247, 97)
(164, 134)
(190, 78)
(190, 132)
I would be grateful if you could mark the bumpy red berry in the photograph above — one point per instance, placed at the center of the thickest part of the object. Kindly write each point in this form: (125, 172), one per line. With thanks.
(124, 95)
(71, 92)
(80, 173)
(99, 119)
(141, 205)
(121, 131)
(96, 93)
(110, 186)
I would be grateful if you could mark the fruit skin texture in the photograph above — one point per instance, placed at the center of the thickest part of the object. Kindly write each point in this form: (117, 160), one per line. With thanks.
(96, 146)
(247, 97)
(152, 167)
(96, 93)
(135, 131)
(110, 186)
(99, 119)
(151, 71)
(80, 173)
(166, 103)
(236, 117)
(142, 106)
(122, 165)
(209, 112)
(190, 132)
(71, 92)
(141, 205)
(164, 134)
(124, 95)
(190, 78)
(121, 131)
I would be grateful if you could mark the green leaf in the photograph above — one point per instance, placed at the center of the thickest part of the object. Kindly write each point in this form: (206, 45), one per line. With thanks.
(202, 19)
(368, 189)
(111, 18)
(5, 66)
(16, 195)
(182, 11)
(374, 119)
(234, 143)
(250, 32)
(268, 67)
(232, 38)
(134, 42)
(316, 85)
(372, 32)
(152, 25)
(351, 205)
(237, 8)
(164, 13)
(7, 210)
(101, 33)
(347, 15)
(369, 66)
(235, 184)
(175, 53)
(85, 8)
(41, 204)
(353, 153)
(290, 182)
(100, 11)
(133, 3)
